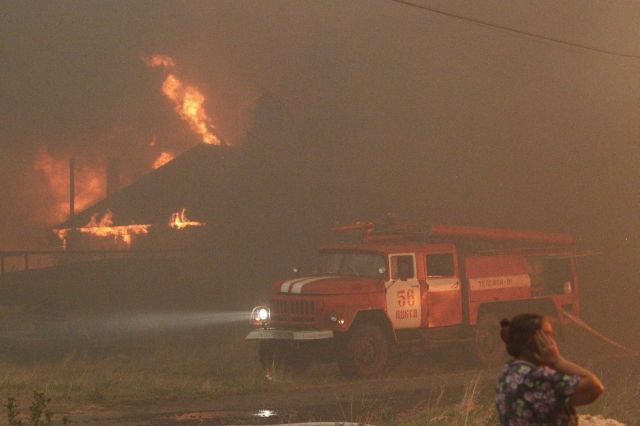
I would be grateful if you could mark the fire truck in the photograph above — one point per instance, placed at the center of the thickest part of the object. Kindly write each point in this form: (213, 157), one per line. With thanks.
(401, 285)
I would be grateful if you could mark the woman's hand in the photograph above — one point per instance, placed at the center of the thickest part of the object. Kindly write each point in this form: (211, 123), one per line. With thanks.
(547, 349)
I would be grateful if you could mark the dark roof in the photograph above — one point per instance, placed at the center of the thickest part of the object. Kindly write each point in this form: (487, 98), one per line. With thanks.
(200, 180)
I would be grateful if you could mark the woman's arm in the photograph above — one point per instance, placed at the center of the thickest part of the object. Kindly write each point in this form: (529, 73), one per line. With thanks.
(589, 388)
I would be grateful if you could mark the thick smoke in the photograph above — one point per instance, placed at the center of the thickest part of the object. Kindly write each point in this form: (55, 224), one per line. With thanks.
(371, 106)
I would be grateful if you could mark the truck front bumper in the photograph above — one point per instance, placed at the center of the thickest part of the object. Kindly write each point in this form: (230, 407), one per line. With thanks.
(275, 334)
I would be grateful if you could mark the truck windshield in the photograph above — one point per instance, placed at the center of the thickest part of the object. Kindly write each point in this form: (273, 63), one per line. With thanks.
(350, 263)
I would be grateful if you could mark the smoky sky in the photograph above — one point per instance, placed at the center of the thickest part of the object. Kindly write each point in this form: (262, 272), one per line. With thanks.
(440, 118)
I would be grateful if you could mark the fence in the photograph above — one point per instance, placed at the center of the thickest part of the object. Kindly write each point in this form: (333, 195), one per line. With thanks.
(54, 257)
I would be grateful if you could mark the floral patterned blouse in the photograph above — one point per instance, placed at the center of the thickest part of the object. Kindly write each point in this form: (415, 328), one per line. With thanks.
(529, 394)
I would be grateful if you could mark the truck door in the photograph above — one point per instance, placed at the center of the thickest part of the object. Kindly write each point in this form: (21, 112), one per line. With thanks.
(403, 292)
(444, 292)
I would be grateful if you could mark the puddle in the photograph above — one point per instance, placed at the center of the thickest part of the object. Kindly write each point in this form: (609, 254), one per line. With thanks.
(215, 417)
(266, 414)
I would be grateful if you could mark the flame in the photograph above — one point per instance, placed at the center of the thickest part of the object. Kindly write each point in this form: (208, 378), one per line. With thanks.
(89, 184)
(162, 159)
(179, 220)
(103, 227)
(187, 99)
(159, 60)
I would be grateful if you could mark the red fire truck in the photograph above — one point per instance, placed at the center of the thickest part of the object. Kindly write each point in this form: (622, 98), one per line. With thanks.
(402, 285)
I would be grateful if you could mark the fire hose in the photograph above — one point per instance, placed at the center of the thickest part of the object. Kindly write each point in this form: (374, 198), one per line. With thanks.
(627, 351)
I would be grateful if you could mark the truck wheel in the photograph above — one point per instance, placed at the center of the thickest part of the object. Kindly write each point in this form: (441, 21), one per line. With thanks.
(488, 346)
(366, 352)
(280, 358)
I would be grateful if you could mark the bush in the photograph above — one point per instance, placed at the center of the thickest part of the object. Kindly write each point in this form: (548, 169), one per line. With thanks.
(39, 414)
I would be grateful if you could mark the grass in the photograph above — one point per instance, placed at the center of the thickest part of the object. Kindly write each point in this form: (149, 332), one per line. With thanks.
(124, 372)
(621, 402)
(475, 406)
(97, 374)
(470, 409)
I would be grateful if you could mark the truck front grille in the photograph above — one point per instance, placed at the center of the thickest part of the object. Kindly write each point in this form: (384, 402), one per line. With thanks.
(293, 310)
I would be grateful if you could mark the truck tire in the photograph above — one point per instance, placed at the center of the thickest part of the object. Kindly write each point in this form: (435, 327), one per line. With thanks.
(279, 358)
(366, 352)
(489, 349)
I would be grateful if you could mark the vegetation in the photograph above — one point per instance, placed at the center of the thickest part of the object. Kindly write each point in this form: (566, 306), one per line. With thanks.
(82, 377)
(40, 415)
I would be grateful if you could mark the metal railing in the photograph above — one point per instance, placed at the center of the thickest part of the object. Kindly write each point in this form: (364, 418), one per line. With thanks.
(26, 255)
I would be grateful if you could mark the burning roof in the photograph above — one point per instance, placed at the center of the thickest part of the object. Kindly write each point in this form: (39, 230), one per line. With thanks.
(200, 180)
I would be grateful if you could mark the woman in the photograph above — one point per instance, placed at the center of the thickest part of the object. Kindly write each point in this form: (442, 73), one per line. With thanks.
(539, 386)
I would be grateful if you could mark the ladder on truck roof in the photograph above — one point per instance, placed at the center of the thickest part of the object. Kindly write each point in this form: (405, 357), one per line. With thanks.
(392, 231)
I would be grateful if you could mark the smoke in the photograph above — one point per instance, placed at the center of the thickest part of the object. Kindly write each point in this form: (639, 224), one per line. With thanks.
(128, 324)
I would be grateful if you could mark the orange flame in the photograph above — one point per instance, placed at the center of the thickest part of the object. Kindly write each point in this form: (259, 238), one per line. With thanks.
(162, 159)
(159, 60)
(188, 100)
(103, 227)
(89, 184)
(179, 220)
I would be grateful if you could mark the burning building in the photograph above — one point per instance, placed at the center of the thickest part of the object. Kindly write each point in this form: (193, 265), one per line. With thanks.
(151, 212)
(196, 181)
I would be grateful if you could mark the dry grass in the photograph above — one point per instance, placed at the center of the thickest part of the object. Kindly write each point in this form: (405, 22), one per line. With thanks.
(152, 368)
(472, 409)
(212, 364)
(620, 402)
(476, 407)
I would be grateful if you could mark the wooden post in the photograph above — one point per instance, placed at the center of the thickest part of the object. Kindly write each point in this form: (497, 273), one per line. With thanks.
(72, 191)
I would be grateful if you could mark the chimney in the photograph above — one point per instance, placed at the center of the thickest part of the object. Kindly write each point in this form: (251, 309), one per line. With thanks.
(72, 190)
(113, 176)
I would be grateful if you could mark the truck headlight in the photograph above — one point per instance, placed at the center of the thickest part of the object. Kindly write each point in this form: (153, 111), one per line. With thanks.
(260, 315)
(335, 318)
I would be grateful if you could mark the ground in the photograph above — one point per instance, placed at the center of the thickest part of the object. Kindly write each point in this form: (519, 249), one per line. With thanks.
(211, 376)
(109, 355)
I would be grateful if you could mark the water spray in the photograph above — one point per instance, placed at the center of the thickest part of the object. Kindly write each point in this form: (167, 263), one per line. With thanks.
(154, 322)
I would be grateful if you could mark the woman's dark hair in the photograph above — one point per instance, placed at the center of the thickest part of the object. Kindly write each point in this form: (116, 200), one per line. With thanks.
(518, 332)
